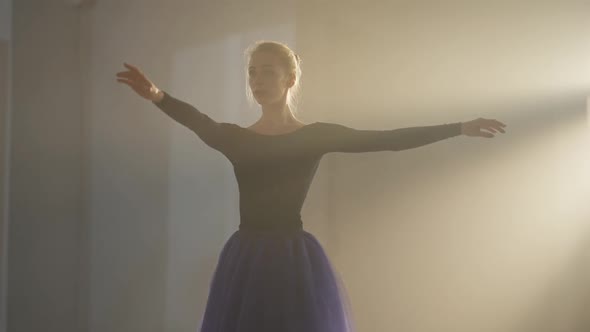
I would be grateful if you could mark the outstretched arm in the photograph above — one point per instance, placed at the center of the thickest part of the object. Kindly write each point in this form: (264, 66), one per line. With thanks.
(339, 138)
(210, 131)
(187, 115)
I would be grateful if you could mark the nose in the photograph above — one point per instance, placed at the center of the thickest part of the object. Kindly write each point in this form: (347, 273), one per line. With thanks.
(256, 84)
(255, 80)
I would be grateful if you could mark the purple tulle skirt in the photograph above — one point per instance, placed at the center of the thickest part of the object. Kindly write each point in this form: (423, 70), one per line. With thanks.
(276, 281)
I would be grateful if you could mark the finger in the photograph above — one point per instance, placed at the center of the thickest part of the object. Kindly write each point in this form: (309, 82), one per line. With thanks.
(133, 77)
(131, 67)
(495, 126)
(139, 88)
(136, 74)
(485, 134)
(498, 123)
(131, 74)
(138, 81)
(126, 74)
(128, 82)
(131, 83)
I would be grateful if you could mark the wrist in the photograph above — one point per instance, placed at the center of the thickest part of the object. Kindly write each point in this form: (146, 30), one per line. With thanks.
(158, 96)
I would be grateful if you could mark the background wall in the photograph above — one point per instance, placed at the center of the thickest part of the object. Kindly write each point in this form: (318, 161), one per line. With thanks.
(5, 47)
(46, 228)
(118, 214)
(469, 234)
(5, 19)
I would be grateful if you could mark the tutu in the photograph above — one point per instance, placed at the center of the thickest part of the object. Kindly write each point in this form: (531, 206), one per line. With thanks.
(275, 281)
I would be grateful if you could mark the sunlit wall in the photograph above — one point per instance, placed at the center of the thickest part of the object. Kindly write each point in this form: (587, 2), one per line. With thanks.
(468, 234)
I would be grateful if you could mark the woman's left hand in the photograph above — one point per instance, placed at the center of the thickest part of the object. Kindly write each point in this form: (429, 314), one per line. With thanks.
(476, 127)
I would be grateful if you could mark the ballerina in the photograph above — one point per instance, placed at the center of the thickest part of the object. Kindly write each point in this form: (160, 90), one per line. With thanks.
(272, 275)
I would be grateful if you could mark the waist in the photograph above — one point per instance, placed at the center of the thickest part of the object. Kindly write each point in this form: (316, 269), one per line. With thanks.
(279, 224)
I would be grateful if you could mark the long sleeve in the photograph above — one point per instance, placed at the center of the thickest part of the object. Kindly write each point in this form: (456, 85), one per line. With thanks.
(338, 138)
(214, 134)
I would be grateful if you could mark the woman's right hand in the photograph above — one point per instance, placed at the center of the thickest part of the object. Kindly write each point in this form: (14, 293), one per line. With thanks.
(136, 79)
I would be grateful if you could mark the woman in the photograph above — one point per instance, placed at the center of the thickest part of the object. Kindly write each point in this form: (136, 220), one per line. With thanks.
(271, 274)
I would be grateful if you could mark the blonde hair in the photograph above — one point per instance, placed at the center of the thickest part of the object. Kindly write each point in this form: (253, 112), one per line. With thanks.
(290, 61)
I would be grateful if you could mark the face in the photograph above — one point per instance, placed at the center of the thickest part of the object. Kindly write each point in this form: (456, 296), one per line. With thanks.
(268, 79)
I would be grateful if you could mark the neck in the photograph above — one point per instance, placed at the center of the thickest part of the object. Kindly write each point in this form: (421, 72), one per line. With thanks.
(276, 115)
